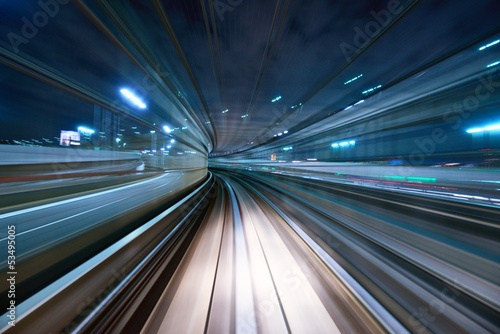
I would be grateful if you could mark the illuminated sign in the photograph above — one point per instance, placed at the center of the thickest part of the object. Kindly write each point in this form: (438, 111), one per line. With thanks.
(69, 138)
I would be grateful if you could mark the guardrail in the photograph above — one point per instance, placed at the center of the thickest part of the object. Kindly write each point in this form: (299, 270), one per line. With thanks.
(84, 294)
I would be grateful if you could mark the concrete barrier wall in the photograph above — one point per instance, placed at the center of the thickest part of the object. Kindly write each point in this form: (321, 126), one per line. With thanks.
(23, 155)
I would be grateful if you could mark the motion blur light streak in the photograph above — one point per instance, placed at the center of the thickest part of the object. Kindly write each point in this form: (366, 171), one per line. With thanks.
(353, 187)
(133, 98)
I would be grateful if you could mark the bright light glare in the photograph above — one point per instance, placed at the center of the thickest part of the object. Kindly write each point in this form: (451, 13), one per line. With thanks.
(285, 132)
(360, 101)
(167, 129)
(493, 64)
(351, 80)
(85, 130)
(372, 89)
(134, 99)
(276, 99)
(492, 127)
(172, 141)
(488, 45)
(344, 143)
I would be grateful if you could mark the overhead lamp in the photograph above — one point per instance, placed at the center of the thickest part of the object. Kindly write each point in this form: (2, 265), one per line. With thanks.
(489, 45)
(372, 89)
(85, 130)
(276, 99)
(492, 127)
(351, 80)
(493, 64)
(133, 98)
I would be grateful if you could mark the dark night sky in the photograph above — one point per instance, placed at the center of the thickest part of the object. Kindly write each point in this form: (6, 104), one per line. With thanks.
(243, 63)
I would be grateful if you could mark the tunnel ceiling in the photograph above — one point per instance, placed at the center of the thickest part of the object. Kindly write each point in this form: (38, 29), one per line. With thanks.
(238, 73)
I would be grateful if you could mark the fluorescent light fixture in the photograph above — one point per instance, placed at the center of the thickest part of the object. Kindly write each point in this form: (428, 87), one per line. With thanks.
(360, 101)
(152, 131)
(344, 143)
(280, 134)
(351, 80)
(85, 130)
(493, 64)
(348, 108)
(225, 111)
(169, 146)
(133, 98)
(489, 44)
(172, 141)
(372, 89)
(276, 99)
(492, 127)
(285, 132)
(167, 129)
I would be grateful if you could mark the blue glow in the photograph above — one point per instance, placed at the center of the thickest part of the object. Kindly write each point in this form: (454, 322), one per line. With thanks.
(276, 99)
(167, 129)
(488, 45)
(492, 127)
(344, 143)
(85, 130)
(133, 98)
(372, 89)
(225, 111)
(360, 101)
(493, 64)
(351, 80)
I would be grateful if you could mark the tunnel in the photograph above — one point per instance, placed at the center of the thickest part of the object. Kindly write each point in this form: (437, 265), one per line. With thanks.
(236, 166)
